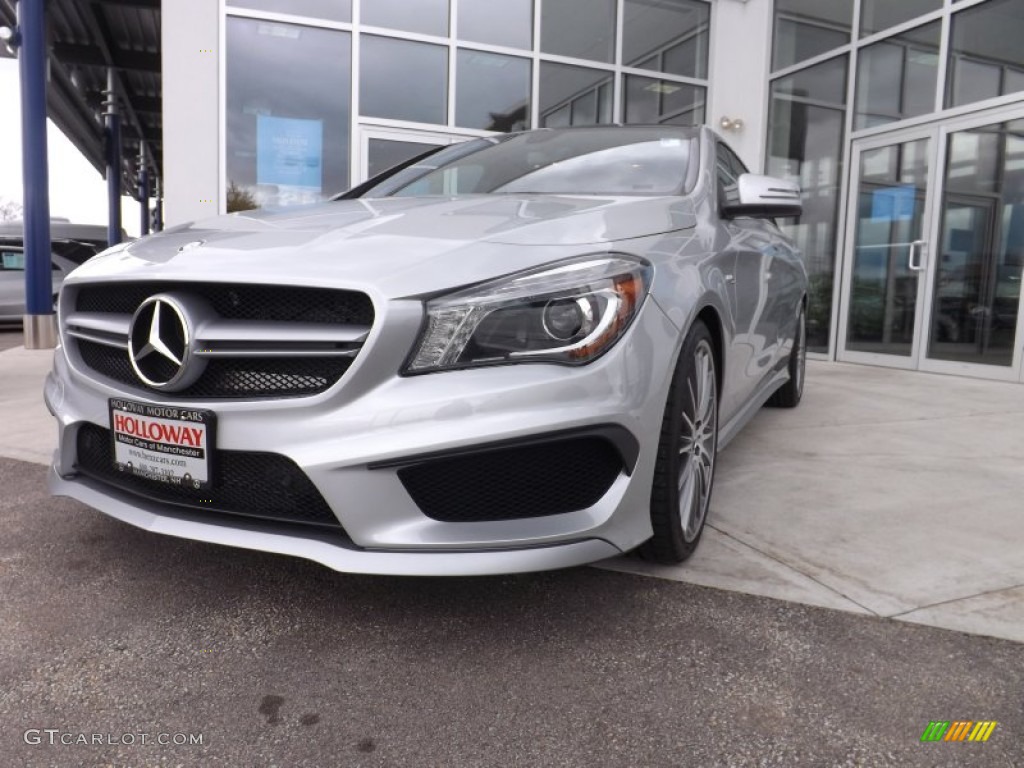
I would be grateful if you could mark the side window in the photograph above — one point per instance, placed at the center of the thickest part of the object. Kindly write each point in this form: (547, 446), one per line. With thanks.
(723, 168)
(730, 168)
(12, 261)
(725, 172)
(738, 167)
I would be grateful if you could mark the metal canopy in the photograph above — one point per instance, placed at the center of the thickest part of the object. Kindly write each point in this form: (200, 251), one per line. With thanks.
(86, 39)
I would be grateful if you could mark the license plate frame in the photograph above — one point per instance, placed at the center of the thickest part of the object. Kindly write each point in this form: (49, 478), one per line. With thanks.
(157, 443)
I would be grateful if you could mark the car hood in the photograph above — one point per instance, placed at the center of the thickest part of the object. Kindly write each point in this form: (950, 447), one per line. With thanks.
(395, 246)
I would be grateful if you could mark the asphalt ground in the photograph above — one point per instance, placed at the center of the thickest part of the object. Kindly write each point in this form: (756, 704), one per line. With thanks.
(11, 337)
(112, 631)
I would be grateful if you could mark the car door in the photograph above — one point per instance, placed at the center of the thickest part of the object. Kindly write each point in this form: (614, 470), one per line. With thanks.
(755, 340)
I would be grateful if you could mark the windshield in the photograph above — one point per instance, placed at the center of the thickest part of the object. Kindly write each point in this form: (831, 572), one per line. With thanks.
(648, 161)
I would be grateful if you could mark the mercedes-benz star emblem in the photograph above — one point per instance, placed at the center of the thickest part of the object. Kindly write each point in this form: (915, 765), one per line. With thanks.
(158, 345)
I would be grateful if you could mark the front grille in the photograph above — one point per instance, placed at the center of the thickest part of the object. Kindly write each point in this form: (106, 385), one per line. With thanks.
(513, 483)
(286, 304)
(231, 377)
(258, 485)
(283, 362)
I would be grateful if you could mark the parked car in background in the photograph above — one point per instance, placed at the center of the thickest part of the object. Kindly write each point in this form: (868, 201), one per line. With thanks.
(518, 353)
(71, 245)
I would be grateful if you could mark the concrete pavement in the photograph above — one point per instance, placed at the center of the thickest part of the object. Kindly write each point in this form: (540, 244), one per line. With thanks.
(11, 337)
(892, 493)
(885, 493)
(272, 660)
(27, 431)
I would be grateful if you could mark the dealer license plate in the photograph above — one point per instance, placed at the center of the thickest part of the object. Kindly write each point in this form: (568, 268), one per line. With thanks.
(163, 443)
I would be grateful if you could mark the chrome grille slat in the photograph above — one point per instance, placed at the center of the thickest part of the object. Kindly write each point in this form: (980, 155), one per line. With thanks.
(269, 333)
(269, 351)
(107, 323)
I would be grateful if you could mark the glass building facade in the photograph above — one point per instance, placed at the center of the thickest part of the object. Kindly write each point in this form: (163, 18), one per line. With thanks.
(900, 119)
(320, 93)
(935, 277)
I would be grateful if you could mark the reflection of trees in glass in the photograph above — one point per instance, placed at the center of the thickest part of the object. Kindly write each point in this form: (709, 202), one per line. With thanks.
(9, 210)
(819, 307)
(867, 311)
(240, 198)
(507, 122)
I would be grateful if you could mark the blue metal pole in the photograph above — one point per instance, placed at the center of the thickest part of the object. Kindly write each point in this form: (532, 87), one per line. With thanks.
(113, 136)
(144, 200)
(38, 268)
(158, 207)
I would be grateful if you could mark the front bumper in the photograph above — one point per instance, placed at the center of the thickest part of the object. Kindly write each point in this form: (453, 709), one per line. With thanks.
(352, 441)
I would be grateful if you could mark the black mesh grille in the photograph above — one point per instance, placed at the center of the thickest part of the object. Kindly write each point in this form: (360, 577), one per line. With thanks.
(238, 302)
(260, 485)
(514, 483)
(226, 377)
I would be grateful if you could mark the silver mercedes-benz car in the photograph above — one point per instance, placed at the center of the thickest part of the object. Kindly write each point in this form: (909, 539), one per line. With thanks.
(517, 353)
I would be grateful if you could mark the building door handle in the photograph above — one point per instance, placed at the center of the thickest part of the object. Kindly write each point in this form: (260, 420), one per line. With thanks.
(915, 262)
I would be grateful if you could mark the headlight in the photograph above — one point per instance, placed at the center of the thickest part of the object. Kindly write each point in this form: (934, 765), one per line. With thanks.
(568, 313)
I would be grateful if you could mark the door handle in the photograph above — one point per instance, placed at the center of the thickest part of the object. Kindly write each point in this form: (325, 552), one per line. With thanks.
(915, 262)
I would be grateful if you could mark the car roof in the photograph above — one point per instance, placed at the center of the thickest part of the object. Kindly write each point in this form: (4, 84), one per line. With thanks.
(60, 230)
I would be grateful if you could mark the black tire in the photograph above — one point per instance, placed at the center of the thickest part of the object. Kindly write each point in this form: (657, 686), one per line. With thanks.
(790, 393)
(683, 458)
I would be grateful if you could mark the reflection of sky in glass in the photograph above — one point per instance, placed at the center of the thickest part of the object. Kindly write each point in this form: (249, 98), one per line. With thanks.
(623, 161)
(505, 22)
(876, 15)
(403, 80)
(335, 10)
(583, 29)
(428, 17)
(649, 168)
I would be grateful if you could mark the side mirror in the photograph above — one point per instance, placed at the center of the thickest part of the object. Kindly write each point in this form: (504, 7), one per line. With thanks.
(762, 197)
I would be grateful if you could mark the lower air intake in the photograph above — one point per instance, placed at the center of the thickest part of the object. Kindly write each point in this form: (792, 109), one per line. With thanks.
(514, 483)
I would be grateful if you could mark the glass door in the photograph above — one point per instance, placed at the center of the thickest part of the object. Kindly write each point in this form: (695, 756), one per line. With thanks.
(934, 248)
(382, 148)
(887, 248)
(973, 324)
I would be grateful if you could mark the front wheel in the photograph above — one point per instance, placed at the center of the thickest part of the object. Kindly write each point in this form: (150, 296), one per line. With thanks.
(684, 472)
(790, 393)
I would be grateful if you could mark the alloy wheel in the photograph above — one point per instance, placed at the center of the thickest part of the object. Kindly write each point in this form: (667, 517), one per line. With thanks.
(698, 442)
(801, 362)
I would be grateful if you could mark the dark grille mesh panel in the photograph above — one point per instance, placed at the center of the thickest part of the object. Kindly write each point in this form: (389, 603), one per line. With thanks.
(226, 377)
(514, 483)
(109, 361)
(238, 302)
(262, 485)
